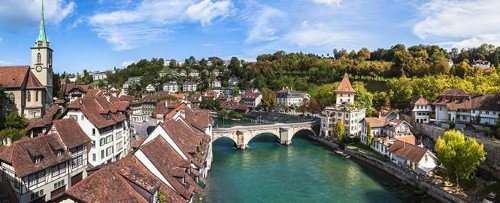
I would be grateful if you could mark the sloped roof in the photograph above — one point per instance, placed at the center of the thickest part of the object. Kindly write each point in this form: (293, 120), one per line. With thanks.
(95, 106)
(21, 154)
(375, 122)
(408, 151)
(13, 76)
(70, 132)
(345, 86)
(489, 102)
(33, 82)
(421, 101)
(121, 181)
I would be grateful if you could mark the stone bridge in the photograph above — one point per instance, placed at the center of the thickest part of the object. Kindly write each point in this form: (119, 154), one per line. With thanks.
(241, 135)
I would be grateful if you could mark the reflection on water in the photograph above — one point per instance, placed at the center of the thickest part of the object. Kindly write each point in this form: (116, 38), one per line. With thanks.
(302, 172)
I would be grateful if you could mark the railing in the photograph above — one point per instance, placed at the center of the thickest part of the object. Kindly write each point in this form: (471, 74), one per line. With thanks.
(301, 124)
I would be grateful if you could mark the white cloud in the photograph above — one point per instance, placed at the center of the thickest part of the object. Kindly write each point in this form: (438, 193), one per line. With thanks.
(152, 20)
(27, 12)
(206, 11)
(327, 2)
(263, 22)
(473, 22)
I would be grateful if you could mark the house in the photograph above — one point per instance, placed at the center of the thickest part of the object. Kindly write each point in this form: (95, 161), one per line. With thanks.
(195, 99)
(421, 110)
(456, 105)
(99, 75)
(104, 119)
(235, 106)
(343, 111)
(189, 86)
(150, 88)
(216, 72)
(252, 98)
(171, 87)
(291, 98)
(43, 167)
(142, 108)
(183, 73)
(481, 64)
(215, 83)
(42, 125)
(414, 157)
(73, 91)
(194, 73)
(233, 81)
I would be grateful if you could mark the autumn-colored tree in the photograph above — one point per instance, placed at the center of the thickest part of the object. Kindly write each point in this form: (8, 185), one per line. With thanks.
(369, 136)
(339, 131)
(268, 99)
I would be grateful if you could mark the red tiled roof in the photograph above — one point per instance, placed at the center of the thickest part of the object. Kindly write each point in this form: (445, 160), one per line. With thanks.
(408, 151)
(375, 122)
(71, 133)
(46, 120)
(13, 76)
(489, 102)
(421, 101)
(231, 105)
(70, 87)
(32, 82)
(21, 154)
(408, 139)
(123, 181)
(95, 106)
(345, 86)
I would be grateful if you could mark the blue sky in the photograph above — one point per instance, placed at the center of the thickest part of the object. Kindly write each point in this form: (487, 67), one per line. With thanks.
(102, 34)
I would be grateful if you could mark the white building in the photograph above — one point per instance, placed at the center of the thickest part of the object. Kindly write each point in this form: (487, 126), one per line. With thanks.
(252, 98)
(343, 111)
(189, 87)
(481, 64)
(413, 157)
(421, 111)
(194, 73)
(233, 81)
(291, 98)
(42, 168)
(104, 120)
(171, 87)
(150, 88)
(456, 105)
(385, 130)
(215, 84)
(98, 75)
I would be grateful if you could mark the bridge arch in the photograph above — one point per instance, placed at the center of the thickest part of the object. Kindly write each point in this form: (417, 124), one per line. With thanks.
(295, 132)
(227, 136)
(259, 134)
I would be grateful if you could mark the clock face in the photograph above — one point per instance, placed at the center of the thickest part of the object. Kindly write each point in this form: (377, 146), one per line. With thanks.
(38, 68)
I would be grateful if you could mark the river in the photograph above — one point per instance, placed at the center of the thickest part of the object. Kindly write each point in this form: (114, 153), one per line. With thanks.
(302, 172)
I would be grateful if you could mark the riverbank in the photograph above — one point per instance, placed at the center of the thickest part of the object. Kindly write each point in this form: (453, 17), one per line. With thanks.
(409, 177)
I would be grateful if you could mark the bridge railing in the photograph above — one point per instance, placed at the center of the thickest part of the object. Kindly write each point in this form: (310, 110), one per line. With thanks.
(263, 126)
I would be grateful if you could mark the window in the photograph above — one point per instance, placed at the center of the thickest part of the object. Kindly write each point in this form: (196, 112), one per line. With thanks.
(81, 117)
(118, 135)
(109, 139)
(39, 58)
(102, 154)
(76, 162)
(93, 157)
(109, 151)
(38, 159)
(28, 96)
(102, 141)
(58, 152)
(93, 131)
(36, 95)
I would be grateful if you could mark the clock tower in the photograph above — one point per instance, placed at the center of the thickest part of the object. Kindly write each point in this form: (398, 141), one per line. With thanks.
(41, 60)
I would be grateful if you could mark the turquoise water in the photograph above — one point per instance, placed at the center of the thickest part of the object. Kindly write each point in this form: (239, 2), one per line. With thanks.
(303, 172)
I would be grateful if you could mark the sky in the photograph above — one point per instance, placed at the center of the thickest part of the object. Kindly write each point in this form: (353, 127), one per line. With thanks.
(102, 34)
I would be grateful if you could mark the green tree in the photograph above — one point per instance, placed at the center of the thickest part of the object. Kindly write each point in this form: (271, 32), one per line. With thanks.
(85, 79)
(460, 156)
(210, 103)
(268, 99)
(339, 131)
(13, 120)
(162, 198)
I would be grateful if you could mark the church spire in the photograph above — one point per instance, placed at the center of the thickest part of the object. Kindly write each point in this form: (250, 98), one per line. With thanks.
(42, 37)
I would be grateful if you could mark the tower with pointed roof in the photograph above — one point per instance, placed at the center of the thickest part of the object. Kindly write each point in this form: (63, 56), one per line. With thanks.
(344, 92)
(41, 59)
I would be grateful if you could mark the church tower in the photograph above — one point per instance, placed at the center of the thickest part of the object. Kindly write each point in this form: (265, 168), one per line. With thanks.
(41, 60)
(344, 92)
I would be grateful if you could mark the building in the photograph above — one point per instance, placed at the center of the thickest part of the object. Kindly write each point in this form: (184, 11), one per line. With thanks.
(73, 92)
(182, 73)
(173, 161)
(150, 88)
(42, 168)
(456, 105)
(291, 98)
(251, 98)
(194, 73)
(385, 130)
(171, 86)
(414, 157)
(421, 110)
(104, 119)
(99, 75)
(216, 72)
(234, 106)
(233, 81)
(42, 125)
(189, 86)
(343, 111)
(30, 88)
(215, 83)
(481, 64)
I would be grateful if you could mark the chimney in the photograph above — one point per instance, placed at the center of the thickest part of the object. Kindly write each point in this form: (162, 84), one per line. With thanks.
(7, 141)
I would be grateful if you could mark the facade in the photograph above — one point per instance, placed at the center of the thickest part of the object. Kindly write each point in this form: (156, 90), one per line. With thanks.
(414, 157)
(456, 105)
(481, 64)
(150, 88)
(171, 86)
(421, 111)
(343, 111)
(233, 81)
(189, 87)
(215, 84)
(99, 75)
(251, 98)
(105, 121)
(42, 168)
(30, 88)
(385, 130)
(291, 98)
(194, 73)
(73, 92)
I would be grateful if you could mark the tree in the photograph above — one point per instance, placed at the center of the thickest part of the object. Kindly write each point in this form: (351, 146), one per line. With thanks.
(162, 198)
(364, 53)
(369, 136)
(235, 91)
(85, 79)
(13, 120)
(268, 99)
(209, 103)
(460, 156)
(339, 130)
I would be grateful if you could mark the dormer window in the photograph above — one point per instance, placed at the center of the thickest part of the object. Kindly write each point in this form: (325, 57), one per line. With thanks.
(59, 152)
(38, 159)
